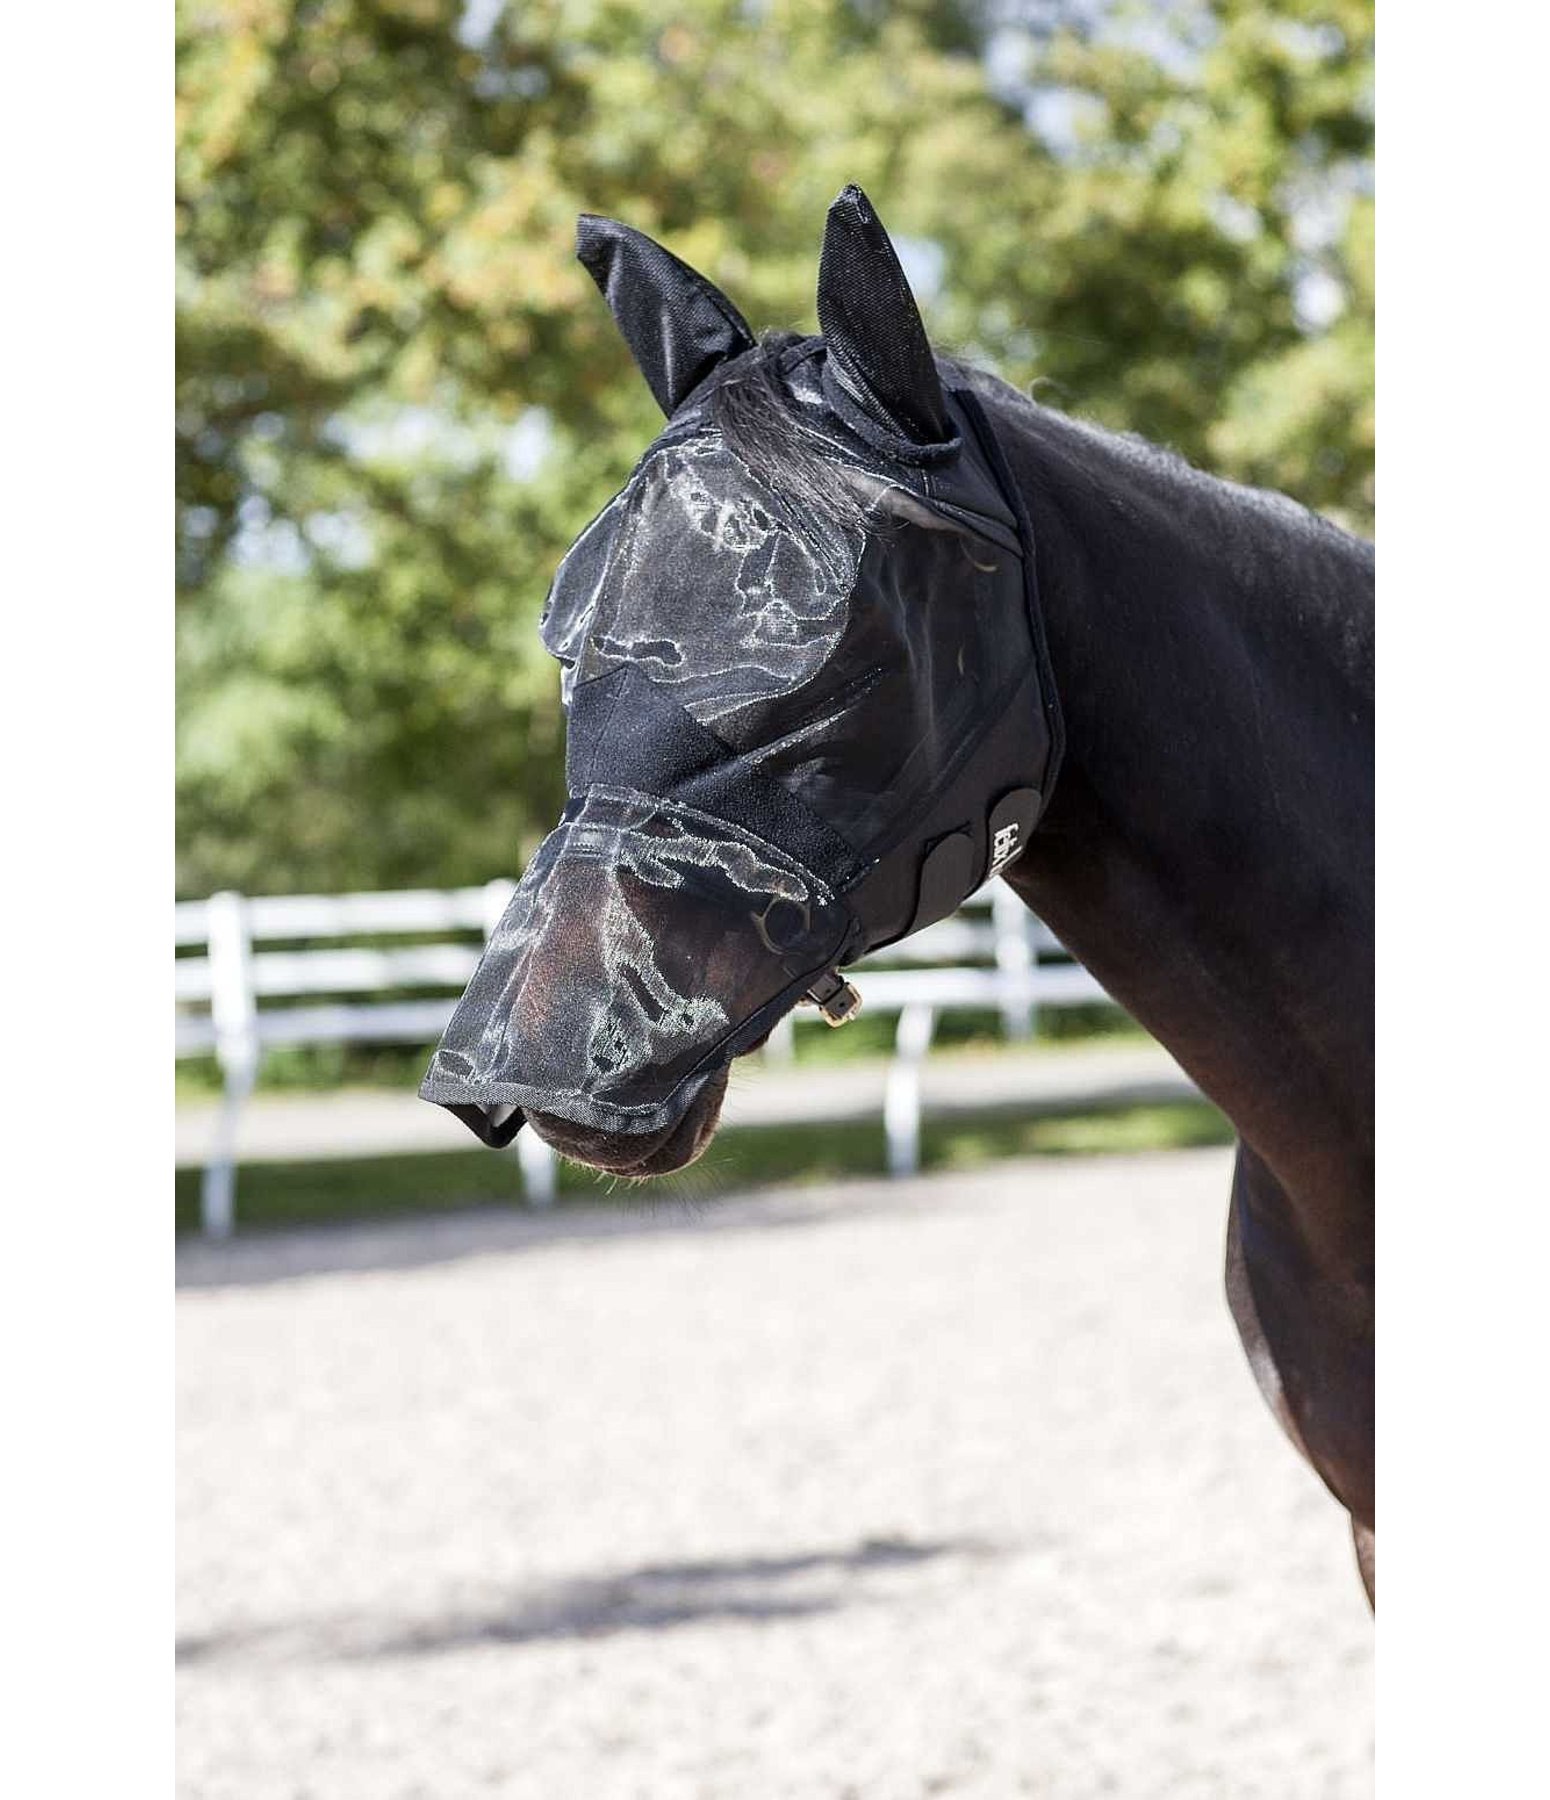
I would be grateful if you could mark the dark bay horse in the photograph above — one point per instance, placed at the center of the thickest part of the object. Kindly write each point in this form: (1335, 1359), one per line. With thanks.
(1208, 854)
(779, 641)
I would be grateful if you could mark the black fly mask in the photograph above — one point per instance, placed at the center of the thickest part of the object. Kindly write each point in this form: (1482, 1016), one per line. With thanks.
(805, 718)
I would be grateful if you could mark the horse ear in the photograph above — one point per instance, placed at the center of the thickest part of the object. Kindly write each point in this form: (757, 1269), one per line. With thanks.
(872, 325)
(677, 324)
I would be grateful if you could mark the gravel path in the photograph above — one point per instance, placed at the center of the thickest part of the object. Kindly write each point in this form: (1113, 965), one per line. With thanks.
(302, 1127)
(949, 1487)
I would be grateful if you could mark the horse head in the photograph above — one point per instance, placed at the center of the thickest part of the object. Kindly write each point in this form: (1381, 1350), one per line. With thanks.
(808, 707)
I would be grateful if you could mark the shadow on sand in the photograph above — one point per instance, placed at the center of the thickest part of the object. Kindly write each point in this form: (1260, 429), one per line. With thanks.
(654, 1597)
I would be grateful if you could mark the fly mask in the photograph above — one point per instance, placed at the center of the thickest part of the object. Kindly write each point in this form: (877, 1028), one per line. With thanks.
(805, 718)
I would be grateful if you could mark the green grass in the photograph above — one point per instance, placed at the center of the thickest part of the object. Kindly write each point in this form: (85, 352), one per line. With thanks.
(271, 1194)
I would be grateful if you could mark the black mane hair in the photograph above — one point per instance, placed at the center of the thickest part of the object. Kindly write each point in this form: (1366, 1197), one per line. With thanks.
(750, 407)
(751, 410)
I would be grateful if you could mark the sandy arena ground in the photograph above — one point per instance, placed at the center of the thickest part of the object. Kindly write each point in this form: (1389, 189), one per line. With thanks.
(957, 1486)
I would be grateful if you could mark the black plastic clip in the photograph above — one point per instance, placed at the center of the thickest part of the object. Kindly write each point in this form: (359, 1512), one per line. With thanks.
(835, 998)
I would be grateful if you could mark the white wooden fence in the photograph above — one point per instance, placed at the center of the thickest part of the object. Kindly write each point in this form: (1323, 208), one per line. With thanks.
(259, 973)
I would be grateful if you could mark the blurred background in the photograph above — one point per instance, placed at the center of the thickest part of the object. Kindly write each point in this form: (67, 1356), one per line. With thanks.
(400, 398)
(950, 1484)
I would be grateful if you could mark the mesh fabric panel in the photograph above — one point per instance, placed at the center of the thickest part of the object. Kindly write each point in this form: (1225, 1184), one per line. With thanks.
(641, 937)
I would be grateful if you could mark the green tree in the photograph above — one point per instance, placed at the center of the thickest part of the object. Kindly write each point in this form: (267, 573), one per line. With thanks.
(399, 398)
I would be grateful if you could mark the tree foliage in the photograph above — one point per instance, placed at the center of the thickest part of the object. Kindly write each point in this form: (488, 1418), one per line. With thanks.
(399, 398)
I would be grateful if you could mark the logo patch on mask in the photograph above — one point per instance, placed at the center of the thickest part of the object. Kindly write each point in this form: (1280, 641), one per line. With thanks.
(1005, 846)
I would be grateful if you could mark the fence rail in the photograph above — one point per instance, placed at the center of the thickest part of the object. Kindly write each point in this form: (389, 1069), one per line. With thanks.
(992, 954)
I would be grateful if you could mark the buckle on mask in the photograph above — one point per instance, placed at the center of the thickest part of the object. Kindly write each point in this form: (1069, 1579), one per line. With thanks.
(835, 998)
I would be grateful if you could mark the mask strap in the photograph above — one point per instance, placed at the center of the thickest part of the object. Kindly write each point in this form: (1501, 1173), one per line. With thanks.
(835, 998)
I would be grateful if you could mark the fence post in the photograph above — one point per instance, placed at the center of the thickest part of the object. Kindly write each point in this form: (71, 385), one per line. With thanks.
(538, 1168)
(1015, 959)
(233, 1012)
(901, 1097)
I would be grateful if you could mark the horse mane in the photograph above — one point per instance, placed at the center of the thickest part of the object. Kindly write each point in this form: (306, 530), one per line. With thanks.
(750, 407)
(1214, 501)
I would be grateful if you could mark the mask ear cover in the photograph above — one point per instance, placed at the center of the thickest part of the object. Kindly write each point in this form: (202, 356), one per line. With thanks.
(877, 345)
(678, 325)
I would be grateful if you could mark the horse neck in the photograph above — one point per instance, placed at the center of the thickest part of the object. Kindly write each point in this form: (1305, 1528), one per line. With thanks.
(1207, 851)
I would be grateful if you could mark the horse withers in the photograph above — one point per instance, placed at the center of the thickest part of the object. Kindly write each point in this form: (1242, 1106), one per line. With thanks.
(866, 627)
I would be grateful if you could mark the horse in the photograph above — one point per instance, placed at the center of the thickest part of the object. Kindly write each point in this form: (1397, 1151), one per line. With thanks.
(762, 626)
